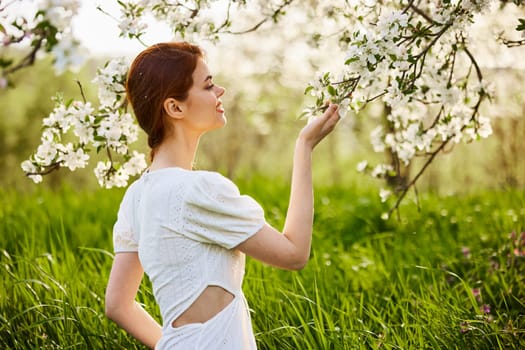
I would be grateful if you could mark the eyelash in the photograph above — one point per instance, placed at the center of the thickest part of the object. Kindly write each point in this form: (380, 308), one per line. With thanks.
(210, 87)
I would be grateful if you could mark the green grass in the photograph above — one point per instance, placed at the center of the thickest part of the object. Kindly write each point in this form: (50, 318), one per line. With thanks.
(370, 283)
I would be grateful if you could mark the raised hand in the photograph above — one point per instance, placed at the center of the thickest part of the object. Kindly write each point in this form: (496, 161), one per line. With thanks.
(318, 128)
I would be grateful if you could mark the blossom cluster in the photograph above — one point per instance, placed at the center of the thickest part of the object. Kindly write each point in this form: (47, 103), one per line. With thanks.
(194, 19)
(59, 13)
(50, 30)
(184, 18)
(411, 58)
(415, 62)
(109, 128)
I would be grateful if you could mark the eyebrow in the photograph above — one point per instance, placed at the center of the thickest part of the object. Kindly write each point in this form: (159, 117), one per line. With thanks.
(209, 77)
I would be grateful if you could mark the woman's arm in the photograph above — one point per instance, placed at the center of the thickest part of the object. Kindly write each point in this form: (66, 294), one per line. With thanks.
(291, 249)
(121, 307)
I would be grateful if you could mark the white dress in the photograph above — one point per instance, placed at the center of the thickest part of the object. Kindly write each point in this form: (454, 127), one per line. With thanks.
(185, 226)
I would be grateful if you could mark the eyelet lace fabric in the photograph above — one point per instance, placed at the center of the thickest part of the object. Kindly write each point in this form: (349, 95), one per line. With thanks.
(185, 226)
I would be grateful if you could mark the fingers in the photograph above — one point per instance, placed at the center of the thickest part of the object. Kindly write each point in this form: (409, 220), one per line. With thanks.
(329, 117)
(318, 128)
(332, 108)
(332, 116)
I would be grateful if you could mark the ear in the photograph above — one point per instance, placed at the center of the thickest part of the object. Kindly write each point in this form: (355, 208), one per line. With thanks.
(173, 108)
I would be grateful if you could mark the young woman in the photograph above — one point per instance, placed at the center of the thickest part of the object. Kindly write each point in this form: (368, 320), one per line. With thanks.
(190, 230)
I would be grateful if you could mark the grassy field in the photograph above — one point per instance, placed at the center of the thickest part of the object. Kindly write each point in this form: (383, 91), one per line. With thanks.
(450, 276)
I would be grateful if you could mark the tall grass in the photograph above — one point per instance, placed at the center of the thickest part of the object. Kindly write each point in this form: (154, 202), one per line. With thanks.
(450, 276)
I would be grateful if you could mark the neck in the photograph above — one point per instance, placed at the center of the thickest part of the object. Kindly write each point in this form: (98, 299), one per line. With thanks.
(177, 150)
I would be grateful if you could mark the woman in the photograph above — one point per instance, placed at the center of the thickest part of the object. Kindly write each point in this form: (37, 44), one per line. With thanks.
(190, 230)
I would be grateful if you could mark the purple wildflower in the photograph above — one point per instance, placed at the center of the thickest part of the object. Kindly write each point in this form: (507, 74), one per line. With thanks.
(464, 327)
(466, 252)
(485, 309)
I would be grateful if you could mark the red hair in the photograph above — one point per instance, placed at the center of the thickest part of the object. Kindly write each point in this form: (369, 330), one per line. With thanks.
(161, 71)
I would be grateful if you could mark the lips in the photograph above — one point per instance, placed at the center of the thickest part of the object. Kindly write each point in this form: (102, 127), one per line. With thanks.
(219, 107)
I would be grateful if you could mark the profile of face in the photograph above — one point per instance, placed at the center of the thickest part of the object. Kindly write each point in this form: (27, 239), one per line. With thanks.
(202, 110)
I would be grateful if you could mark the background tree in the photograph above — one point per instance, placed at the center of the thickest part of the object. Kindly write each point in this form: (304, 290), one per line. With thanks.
(414, 58)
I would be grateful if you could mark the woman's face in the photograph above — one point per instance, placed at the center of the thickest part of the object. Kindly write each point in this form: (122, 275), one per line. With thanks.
(204, 110)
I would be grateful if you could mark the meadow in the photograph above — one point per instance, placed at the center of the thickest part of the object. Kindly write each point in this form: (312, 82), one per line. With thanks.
(450, 275)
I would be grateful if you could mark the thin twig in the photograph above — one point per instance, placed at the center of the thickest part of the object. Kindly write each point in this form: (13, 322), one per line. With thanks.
(28, 60)
(421, 13)
(514, 43)
(418, 175)
(376, 97)
(437, 36)
(408, 6)
(474, 62)
(50, 168)
(227, 19)
(81, 90)
(8, 4)
(264, 20)
(453, 53)
(108, 152)
(441, 146)
(436, 119)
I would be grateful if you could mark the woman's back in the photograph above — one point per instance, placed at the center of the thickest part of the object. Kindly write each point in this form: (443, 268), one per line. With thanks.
(184, 245)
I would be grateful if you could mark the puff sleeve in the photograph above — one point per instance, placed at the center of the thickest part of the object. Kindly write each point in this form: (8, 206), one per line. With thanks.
(215, 212)
(124, 236)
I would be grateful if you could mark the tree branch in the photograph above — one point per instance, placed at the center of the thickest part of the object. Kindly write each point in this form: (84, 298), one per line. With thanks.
(420, 12)
(50, 168)
(28, 60)
(513, 43)
(264, 20)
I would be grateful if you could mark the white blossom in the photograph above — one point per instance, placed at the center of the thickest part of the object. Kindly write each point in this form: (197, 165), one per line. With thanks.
(28, 166)
(120, 178)
(381, 170)
(361, 166)
(384, 194)
(46, 152)
(427, 105)
(36, 178)
(136, 164)
(73, 158)
(485, 129)
(100, 172)
(110, 81)
(376, 137)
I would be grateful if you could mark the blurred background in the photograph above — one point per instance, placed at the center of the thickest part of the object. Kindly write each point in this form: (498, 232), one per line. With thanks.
(265, 73)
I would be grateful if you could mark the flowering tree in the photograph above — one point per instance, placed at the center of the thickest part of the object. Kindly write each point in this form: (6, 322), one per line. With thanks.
(410, 57)
(415, 60)
(110, 128)
(49, 30)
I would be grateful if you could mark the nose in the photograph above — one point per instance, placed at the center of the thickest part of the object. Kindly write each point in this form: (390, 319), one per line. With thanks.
(220, 91)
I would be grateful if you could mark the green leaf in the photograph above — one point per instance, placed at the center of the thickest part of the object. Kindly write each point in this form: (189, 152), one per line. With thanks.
(5, 62)
(305, 113)
(308, 89)
(521, 26)
(331, 90)
(351, 59)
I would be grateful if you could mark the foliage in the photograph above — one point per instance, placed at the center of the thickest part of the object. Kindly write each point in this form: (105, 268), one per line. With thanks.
(412, 57)
(448, 277)
(48, 31)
